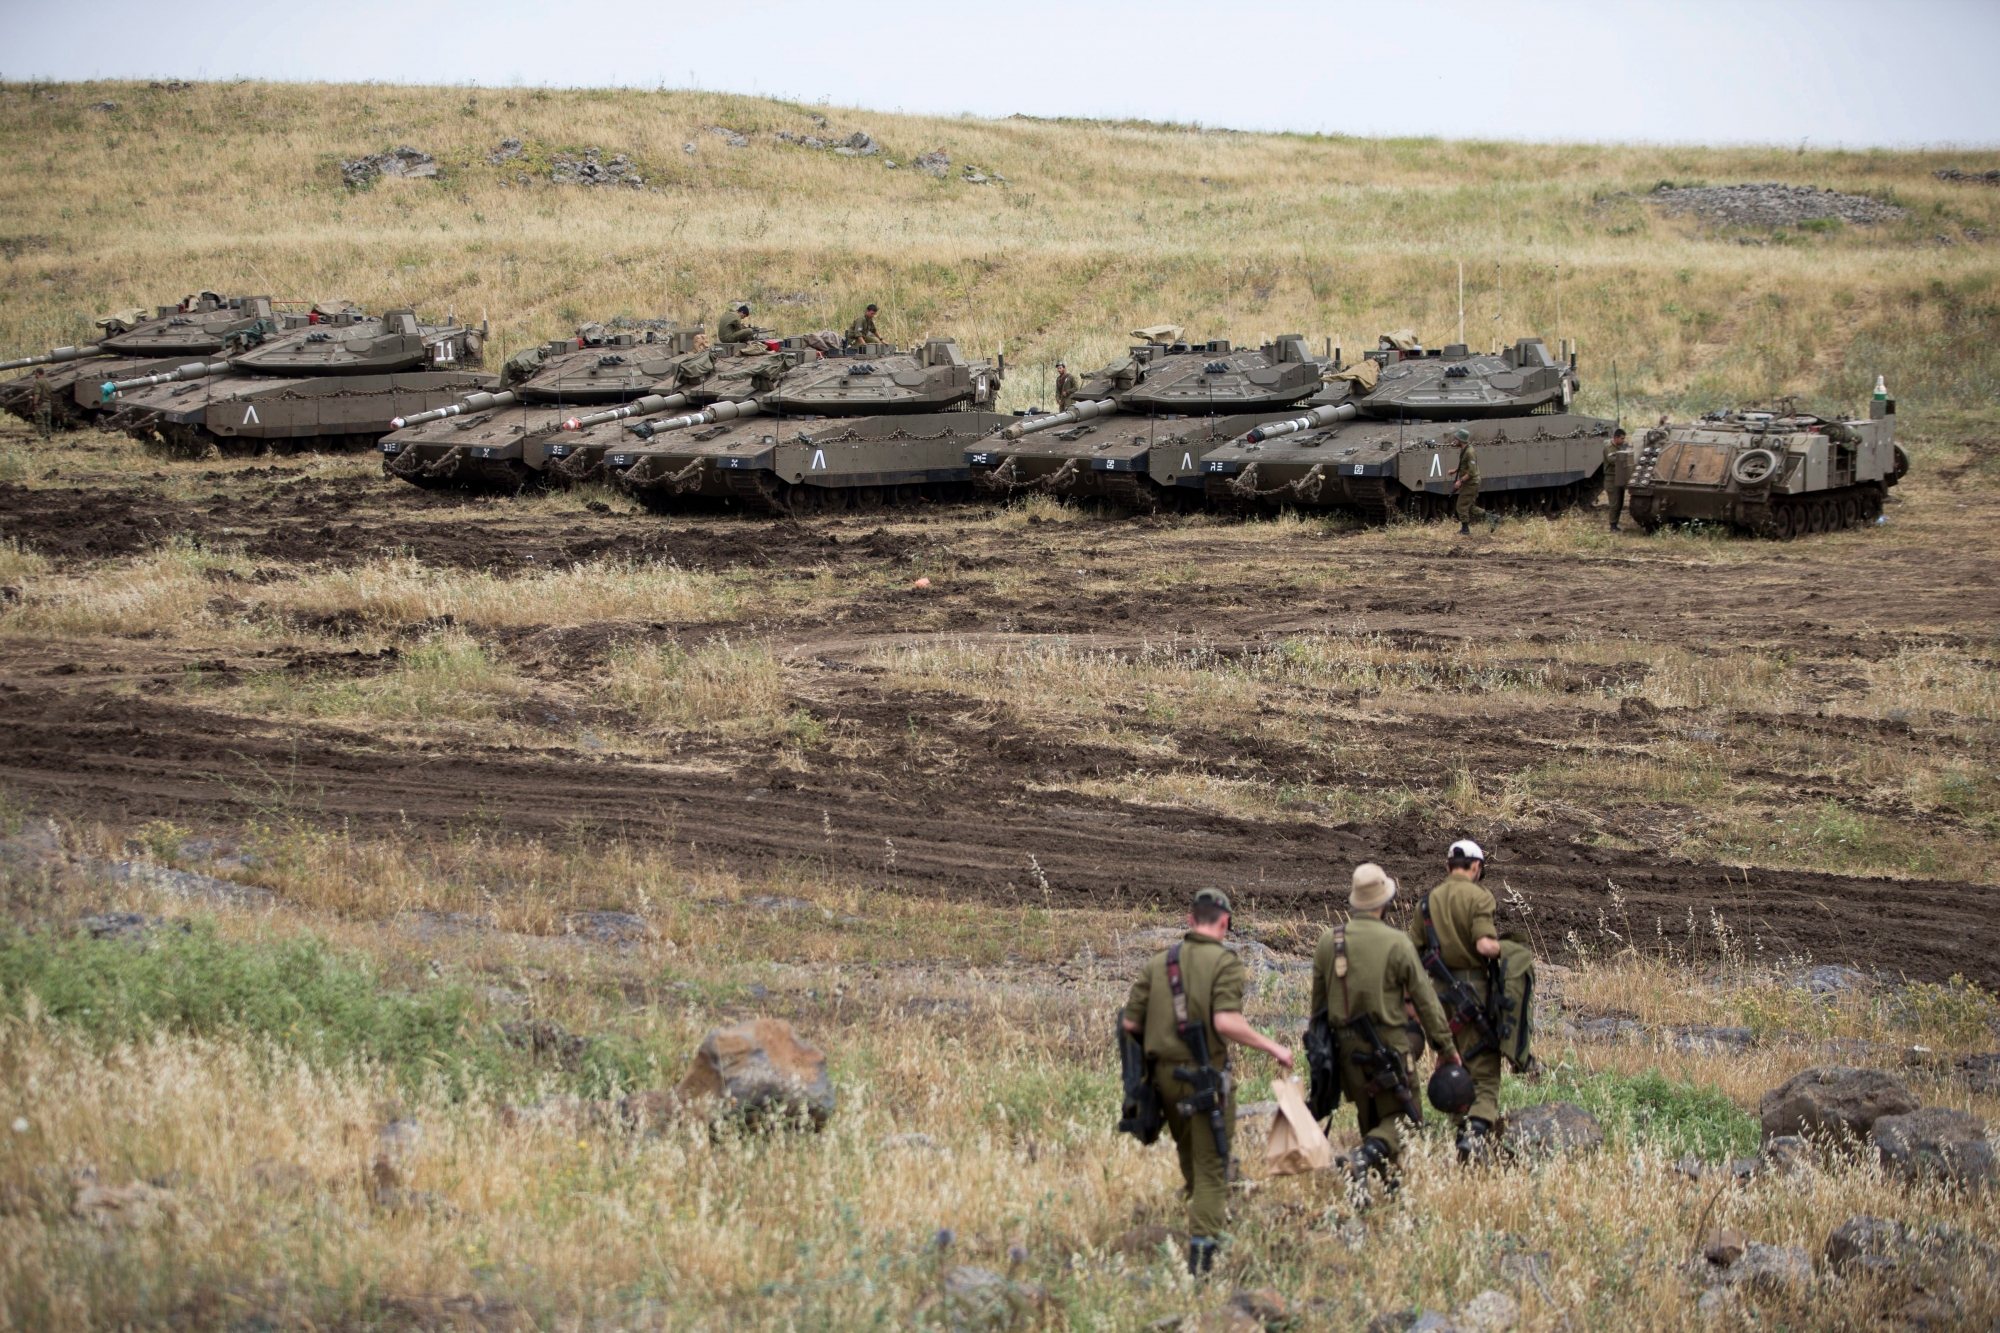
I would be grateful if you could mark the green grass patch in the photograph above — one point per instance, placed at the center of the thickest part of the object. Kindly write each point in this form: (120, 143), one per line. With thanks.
(1650, 1108)
(299, 996)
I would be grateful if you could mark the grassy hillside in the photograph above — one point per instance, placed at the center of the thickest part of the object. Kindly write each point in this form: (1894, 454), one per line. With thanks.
(1098, 228)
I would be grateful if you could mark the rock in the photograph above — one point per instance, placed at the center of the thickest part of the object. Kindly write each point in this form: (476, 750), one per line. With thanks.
(1709, 1039)
(1866, 1244)
(760, 1070)
(1834, 1102)
(126, 925)
(1144, 1243)
(610, 927)
(508, 150)
(1724, 1246)
(1488, 1312)
(1393, 1321)
(1831, 979)
(934, 163)
(593, 169)
(1264, 1305)
(1773, 1268)
(1717, 1303)
(1937, 1142)
(1635, 708)
(734, 138)
(1782, 1156)
(547, 1041)
(979, 1300)
(1772, 204)
(1981, 1072)
(1958, 176)
(1606, 1029)
(1551, 1129)
(1430, 1321)
(179, 883)
(404, 162)
(103, 106)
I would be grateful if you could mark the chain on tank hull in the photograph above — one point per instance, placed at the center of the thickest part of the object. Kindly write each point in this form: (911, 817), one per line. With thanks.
(1389, 470)
(802, 467)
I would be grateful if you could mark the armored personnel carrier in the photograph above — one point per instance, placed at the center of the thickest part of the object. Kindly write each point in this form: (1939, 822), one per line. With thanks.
(1381, 440)
(1776, 472)
(135, 342)
(501, 439)
(1142, 425)
(334, 378)
(861, 429)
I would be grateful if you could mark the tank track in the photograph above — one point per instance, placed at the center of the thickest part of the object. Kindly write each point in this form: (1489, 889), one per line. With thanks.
(1786, 516)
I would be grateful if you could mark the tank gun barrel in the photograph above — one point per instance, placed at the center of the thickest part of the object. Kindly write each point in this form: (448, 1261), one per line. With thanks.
(52, 358)
(1081, 412)
(1313, 420)
(707, 416)
(472, 402)
(193, 370)
(652, 402)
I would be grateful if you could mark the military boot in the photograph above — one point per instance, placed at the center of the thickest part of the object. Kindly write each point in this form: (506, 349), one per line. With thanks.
(1465, 529)
(1201, 1255)
(1369, 1173)
(1475, 1142)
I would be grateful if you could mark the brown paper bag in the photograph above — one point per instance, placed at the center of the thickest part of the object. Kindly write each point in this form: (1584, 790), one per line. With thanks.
(1296, 1143)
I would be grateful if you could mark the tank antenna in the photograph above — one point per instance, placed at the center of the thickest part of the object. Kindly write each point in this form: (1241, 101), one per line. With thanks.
(1559, 305)
(1461, 301)
(1617, 396)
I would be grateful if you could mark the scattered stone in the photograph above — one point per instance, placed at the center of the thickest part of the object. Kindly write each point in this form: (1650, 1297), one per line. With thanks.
(1772, 1268)
(126, 925)
(734, 138)
(547, 1041)
(1605, 1029)
(1959, 177)
(1143, 1243)
(103, 106)
(760, 1070)
(593, 169)
(1710, 1039)
(1264, 1305)
(857, 144)
(1832, 979)
(1936, 1141)
(802, 140)
(1551, 1129)
(1488, 1312)
(1836, 1102)
(508, 150)
(405, 162)
(1396, 1321)
(1773, 204)
(179, 883)
(687, 148)
(1866, 1244)
(1724, 1246)
(1981, 1072)
(1782, 1156)
(610, 927)
(934, 163)
(979, 1300)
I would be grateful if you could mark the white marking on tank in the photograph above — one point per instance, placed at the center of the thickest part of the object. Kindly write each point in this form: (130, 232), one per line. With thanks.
(250, 417)
(819, 459)
(1437, 465)
(1187, 460)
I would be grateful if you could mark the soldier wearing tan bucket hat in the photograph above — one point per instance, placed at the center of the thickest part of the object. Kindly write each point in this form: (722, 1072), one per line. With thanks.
(1363, 972)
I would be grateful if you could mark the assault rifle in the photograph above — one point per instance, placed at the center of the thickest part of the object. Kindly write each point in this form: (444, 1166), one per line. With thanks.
(1211, 1088)
(1322, 1050)
(1461, 1005)
(1140, 1114)
(1388, 1069)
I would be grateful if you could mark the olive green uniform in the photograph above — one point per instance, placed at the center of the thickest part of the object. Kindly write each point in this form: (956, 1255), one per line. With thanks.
(1212, 980)
(44, 399)
(1466, 475)
(861, 331)
(1461, 911)
(1382, 969)
(1617, 459)
(1065, 390)
(732, 329)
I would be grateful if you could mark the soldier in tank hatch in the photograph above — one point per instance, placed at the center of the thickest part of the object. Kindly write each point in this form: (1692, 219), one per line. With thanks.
(735, 330)
(1065, 387)
(862, 330)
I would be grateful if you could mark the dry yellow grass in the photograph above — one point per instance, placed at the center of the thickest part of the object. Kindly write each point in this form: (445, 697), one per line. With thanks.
(1100, 227)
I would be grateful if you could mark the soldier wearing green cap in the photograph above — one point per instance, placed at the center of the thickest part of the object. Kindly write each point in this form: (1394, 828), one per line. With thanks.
(862, 330)
(1465, 483)
(1194, 988)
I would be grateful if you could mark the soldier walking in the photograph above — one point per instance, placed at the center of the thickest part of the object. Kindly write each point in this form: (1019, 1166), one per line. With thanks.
(1364, 973)
(1465, 485)
(862, 330)
(1065, 387)
(1617, 462)
(1186, 1006)
(1456, 918)
(734, 329)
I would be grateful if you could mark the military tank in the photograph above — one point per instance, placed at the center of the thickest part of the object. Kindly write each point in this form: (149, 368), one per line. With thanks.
(501, 439)
(334, 377)
(1380, 441)
(860, 429)
(1142, 425)
(134, 342)
(1776, 472)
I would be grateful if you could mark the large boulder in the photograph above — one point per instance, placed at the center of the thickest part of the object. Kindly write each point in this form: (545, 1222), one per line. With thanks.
(1551, 1129)
(760, 1070)
(1936, 1141)
(1834, 1102)
(1866, 1244)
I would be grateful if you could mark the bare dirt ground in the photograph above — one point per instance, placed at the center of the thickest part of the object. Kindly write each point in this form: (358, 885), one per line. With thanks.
(941, 791)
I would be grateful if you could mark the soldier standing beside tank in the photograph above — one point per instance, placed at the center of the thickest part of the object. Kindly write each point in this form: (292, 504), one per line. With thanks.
(734, 330)
(1465, 484)
(1459, 912)
(862, 330)
(1364, 972)
(1186, 1004)
(1065, 387)
(45, 404)
(1617, 463)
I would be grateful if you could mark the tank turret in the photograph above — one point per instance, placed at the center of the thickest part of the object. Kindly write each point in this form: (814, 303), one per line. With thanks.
(1455, 384)
(932, 377)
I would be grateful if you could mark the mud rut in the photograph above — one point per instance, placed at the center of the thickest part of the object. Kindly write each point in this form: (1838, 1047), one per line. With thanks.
(965, 795)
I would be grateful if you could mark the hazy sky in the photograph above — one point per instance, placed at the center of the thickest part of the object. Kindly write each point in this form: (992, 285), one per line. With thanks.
(1884, 72)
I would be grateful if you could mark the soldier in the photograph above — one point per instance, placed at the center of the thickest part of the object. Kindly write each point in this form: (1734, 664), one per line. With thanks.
(733, 330)
(1459, 912)
(1065, 387)
(1616, 460)
(1364, 974)
(45, 404)
(862, 330)
(1465, 485)
(1195, 987)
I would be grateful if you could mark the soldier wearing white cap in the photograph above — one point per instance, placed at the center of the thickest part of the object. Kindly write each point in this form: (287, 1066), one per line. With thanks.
(1459, 912)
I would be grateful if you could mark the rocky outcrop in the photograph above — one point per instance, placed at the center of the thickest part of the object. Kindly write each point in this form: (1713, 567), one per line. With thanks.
(1833, 1103)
